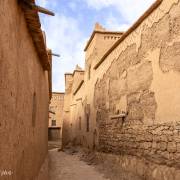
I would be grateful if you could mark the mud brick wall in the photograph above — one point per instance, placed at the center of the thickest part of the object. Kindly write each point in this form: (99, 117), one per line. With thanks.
(143, 80)
(24, 98)
(158, 143)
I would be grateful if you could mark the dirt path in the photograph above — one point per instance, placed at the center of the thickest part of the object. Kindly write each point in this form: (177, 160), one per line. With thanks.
(63, 166)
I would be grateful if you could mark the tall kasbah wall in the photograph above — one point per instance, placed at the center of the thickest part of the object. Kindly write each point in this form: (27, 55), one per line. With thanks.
(24, 98)
(98, 46)
(77, 118)
(66, 130)
(73, 119)
(143, 79)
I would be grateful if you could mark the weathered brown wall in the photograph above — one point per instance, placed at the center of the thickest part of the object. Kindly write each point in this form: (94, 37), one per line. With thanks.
(74, 109)
(66, 130)
(56, 108)
(143, 80)
(56, 105)
(141, 77)
(23, 117)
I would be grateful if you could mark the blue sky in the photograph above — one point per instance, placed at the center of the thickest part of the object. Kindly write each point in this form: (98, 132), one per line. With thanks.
(68, 32)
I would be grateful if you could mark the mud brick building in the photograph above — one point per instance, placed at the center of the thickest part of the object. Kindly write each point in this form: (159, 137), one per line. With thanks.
(74, 89)
(25, 91)
(56, 116)
(130, 96)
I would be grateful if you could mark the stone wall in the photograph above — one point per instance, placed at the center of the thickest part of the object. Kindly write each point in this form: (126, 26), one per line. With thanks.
(158, 143)
(24, 97)
(127, 167)
(143, 81)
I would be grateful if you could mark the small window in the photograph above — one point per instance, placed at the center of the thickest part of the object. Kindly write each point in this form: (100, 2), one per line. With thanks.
(53, 123)
(34, 104)
(79, 123)
(89, 72)
(87, 123)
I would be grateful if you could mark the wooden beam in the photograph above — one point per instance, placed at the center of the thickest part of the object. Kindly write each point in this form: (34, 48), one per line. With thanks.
(57, 55)
(122, 115)
(35, 7)
(42, 10)
(51, 112)
(54, 54)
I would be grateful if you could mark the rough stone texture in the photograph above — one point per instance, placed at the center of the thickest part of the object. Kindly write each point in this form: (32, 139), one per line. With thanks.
(157, 143)
(24, 97)
(133, 168)
(145, 85)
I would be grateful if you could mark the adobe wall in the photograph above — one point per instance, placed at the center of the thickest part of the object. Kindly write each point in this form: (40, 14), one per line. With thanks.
(66, 130)
(56, 116)
(73, 117)
(143, 80)
(98, 46)
(56, 105)
(24, 97)
(77, 120)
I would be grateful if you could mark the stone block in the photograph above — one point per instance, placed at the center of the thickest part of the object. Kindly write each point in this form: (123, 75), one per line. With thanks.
(157, 174)
(178, 147)
(171, 147)
(154, 145)
(168, 173)
(177, 175)
(164, 138)
(147, 145)
(162, 146)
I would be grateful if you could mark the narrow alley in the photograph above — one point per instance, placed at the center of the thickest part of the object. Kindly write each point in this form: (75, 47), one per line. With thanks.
(84, 103)
(64, 166)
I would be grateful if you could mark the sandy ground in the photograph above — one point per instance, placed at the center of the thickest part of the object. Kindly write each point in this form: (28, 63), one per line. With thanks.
(65, 166)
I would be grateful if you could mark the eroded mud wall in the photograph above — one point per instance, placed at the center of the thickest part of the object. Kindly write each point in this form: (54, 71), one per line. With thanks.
(144, 81)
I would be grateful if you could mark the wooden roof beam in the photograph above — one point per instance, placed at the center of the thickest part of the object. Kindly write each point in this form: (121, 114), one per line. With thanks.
(38, 8)
(54, 54)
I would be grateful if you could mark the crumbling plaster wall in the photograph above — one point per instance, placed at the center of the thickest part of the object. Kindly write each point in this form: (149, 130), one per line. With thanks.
(99, 45)
(143, 79)
(24, 98)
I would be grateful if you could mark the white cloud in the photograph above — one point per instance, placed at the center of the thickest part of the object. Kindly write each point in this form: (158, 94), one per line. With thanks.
(43, 3)
(64, 37)
(113, 24)
(72, 5)
(47, 3)
(65, 34)
(130, 9)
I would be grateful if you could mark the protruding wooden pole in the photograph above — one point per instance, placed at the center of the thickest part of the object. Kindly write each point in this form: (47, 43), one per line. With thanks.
(37, 8)
(57, 55)
(42, 10)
